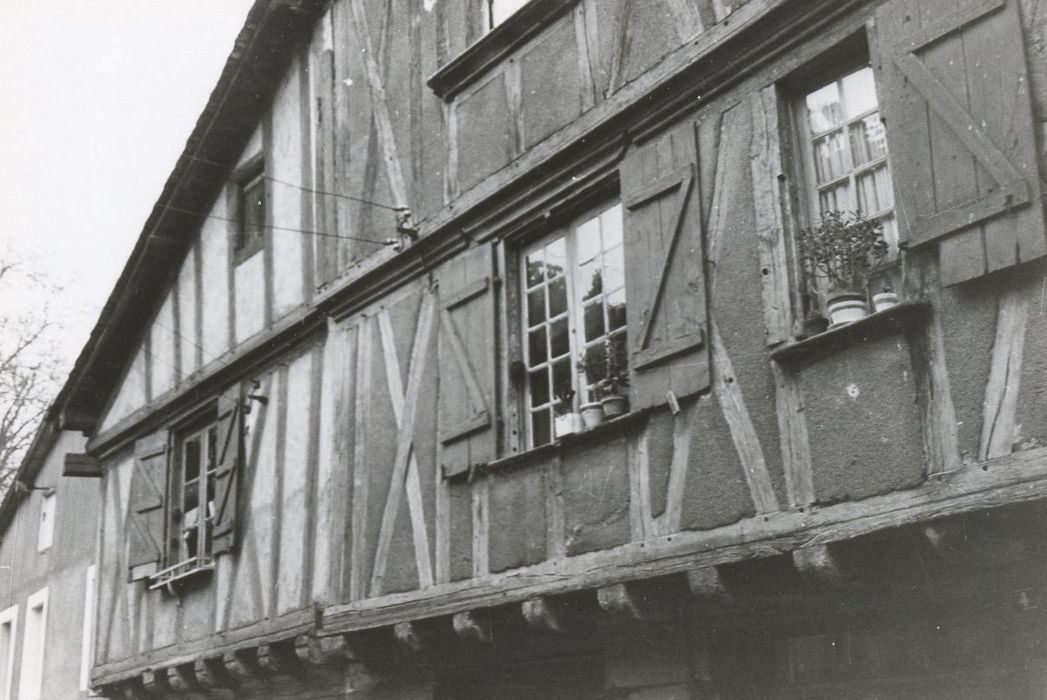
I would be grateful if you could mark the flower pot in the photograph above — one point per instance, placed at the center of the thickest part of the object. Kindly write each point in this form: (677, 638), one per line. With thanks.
(567, 424)
(884, 301)
(592, 414)
(845, 307)
(615, 405)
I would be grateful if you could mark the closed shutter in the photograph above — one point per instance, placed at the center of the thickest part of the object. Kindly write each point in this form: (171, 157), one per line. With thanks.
(665, 281)
(467, 349)
(227, 474)
(145, 534)
(955, 95)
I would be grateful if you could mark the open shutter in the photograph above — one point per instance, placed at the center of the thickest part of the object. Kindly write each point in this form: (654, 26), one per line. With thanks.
(467, 350)
(955, 94)
(145, 544)
(227, 475)
(665, 282)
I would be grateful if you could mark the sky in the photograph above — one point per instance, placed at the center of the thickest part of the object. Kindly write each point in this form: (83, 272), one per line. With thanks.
(97, 99)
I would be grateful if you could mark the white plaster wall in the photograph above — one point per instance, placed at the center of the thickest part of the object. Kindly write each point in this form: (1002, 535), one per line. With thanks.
(162, 349)
(131, 394)
(214, 271)
(295, 477)
(285, 165)
(188, 342)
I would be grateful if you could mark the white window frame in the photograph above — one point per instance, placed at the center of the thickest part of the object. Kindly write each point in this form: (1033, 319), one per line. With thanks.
(807, 140)
(88, 631)
(9, 618)
(45, 534)
(34, 646)
(575, 323)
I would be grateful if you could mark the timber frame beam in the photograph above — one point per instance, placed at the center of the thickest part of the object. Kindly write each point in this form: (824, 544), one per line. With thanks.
(1020, 477)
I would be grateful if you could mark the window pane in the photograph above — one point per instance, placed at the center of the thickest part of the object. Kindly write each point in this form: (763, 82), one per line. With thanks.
(594, 326)
(830, 158)
(559, 341)
(190, 497)
(859, 92)
(538, 381)
(823, 108)
(192, 458)
(590, 279)
(587, 240)
(536, 306)
(614, 269)
(835, 199)
(535, 269)
(555, 258)
(212, 448)
(541, 431)
(616, 309)
(611, 222)
(618, 363)
(595, 363)
(557, 297)
(562, 384)
(868, 139)
(536, 349)
(874, 191)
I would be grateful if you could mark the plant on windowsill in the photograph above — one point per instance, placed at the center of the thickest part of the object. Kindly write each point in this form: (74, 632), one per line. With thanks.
(609, 381)
(845, 249)
(567, 421)
(589, 373)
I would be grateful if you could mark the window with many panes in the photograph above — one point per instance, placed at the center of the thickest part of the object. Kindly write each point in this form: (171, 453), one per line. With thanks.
(497, 11)
(197, 465)
(845, 150)
(573, 317)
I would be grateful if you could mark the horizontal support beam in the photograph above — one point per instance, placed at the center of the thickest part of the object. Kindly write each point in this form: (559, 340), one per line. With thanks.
(1017, 478)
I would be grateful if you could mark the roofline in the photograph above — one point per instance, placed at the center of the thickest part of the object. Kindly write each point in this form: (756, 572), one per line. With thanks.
(269, 39)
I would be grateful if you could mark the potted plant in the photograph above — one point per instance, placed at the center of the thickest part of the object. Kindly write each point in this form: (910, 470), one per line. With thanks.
(884, 300)
(612, 387)
(592, 412)
(844, 249)
(567, 420)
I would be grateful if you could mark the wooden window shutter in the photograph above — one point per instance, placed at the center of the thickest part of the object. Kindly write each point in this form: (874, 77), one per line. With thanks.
(467, 352)
(227, 475)
(665, 281)
(954, 91)
(146, 511)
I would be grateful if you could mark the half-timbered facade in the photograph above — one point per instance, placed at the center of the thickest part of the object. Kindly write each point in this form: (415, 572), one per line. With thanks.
(405, 235)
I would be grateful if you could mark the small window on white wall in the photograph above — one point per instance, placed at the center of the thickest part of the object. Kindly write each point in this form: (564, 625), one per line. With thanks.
(88, 634)
(45, 534)
(8, 632)
(31, 678)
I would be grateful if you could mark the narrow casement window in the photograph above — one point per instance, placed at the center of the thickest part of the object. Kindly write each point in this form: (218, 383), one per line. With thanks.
(45, 533)
(8, 637)
(193, 487)
(34, 646)
(574, 317)
(845, 151)
(252, 217)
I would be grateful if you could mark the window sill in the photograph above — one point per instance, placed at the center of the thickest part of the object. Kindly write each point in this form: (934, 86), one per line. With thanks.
(600, 433)
(180, 572)
(493, 47)
(894, 320)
